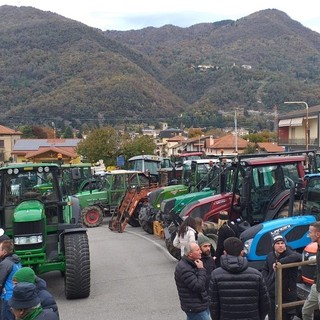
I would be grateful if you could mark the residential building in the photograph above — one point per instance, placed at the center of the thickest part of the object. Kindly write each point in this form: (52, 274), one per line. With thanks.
(46, 150)
(8, 138)
(293, 131)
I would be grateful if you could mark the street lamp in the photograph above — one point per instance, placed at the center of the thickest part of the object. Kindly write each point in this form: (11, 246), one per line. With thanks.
(307, 118)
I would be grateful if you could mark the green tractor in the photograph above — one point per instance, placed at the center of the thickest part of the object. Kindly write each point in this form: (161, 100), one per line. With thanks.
(77, 178)
(112, 187)
(200, 178)
(44, 224)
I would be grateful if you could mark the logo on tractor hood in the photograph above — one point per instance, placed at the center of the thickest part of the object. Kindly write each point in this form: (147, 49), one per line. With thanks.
(279, 230)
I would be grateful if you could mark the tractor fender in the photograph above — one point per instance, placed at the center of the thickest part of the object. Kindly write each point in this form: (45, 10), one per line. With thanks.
(277, 204)
(69, 231)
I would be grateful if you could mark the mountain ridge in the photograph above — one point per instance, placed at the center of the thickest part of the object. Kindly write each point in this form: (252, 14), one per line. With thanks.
(57, 68)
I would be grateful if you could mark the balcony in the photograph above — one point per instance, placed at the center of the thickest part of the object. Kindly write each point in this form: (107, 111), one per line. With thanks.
(298, 142)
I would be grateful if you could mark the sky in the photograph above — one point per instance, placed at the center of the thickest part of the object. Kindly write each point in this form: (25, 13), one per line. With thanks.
(137, 14)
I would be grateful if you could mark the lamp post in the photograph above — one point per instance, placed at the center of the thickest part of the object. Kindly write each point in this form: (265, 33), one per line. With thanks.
(307, 119)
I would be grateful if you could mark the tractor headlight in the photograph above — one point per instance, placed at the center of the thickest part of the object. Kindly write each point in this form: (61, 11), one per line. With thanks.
(33, 239)
(247, 246)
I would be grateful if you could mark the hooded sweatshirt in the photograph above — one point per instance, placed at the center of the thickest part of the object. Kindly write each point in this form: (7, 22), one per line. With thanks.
(237, 291)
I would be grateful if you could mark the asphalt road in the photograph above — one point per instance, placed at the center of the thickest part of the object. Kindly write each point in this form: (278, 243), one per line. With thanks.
(131, 279)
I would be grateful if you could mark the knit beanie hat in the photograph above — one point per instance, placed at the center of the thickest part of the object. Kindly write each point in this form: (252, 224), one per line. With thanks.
(202, 239)
(25, 274)
(278, 238)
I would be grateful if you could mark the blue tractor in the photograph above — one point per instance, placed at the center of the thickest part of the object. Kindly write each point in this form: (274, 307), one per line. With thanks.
(294, 228)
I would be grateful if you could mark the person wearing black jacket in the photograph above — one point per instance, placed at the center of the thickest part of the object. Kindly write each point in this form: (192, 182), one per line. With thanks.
(236, 290)
(283, 254)
(226, 229)
(190, 277)
(206, 257)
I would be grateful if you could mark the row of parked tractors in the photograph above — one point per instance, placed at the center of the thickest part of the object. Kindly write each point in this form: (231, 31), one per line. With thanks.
(265, 194)
(44, 207)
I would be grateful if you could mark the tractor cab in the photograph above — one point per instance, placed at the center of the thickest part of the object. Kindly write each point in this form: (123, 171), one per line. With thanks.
(77, 177)
(44, 224)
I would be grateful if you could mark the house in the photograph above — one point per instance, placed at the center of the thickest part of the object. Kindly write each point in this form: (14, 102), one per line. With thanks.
(8, 138)
(46, 150)
(229, 144)
(270, 147)
(298, 130)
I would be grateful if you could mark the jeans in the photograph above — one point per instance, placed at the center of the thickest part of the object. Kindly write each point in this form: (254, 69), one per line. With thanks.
(311, 304)
(203, 315)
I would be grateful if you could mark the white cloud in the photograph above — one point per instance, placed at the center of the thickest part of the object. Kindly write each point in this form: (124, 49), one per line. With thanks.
(135, 14)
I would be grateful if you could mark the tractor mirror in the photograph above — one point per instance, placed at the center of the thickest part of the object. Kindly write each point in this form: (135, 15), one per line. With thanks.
(75, 172)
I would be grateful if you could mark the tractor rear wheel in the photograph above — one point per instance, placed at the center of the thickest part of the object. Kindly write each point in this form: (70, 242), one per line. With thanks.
(92, 216)
(77, 270)
(147, 226)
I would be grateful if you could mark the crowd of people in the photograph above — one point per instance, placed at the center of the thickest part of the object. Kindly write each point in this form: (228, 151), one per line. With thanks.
(219, 284)
(24, 295)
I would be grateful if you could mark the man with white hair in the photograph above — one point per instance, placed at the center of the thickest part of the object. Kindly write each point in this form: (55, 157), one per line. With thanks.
(191, 276)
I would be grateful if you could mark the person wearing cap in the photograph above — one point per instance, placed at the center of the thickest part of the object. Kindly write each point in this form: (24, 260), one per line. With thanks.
(25, 304)
(283, 254)
(236, 290)
(206, 257)
(226, 229)
(8, 266)
(47, 300)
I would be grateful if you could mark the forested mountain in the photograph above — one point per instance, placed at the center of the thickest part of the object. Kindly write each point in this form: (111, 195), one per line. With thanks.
(56, 68)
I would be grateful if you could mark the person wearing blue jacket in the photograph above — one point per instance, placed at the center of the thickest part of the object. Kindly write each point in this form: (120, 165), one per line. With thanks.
(9, 264)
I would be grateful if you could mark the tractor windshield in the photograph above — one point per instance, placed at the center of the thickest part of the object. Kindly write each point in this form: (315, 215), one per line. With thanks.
(21, 185)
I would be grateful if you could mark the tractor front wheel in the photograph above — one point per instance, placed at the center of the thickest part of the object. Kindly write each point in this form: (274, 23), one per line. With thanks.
(92, 216)
(77, 270)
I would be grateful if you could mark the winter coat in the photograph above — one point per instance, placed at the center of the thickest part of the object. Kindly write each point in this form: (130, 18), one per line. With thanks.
(191, 285)
(237, 291)
(46, 298)
(8, 266)
(209, 265)
(181, 242)
(228, 230)
(289, 275)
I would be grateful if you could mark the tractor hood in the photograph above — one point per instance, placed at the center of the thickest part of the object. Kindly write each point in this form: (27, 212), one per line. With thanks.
(258, 239)
(31, 210)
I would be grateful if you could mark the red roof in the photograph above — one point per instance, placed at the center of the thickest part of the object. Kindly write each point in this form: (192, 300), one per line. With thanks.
(270, 147)
(4, 130)
(228, 142)
(67, 151)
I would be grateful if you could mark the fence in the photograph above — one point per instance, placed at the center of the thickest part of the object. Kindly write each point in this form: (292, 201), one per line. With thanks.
(278, 297)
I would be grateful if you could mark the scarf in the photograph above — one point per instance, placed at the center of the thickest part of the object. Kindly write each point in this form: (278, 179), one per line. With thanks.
(33, 314)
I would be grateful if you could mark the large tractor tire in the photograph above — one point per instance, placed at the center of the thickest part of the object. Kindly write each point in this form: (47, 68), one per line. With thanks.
(92, 216)
(147, 226)
(134, 219)
(144, 219)
(77, 259)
